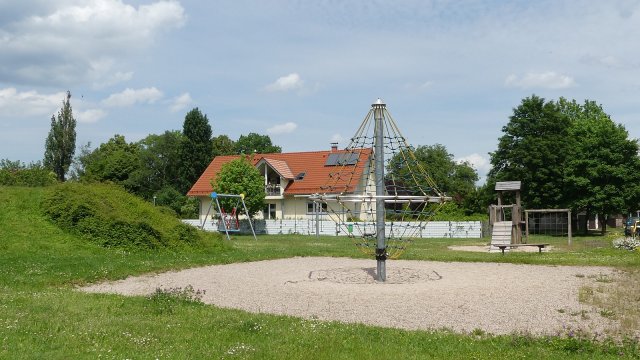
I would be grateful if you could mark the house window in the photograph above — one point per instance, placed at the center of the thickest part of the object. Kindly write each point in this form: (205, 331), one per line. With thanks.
(269, 211)
(311, 209)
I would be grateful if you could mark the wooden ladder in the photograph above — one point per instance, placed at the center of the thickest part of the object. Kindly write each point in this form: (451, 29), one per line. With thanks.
(501, 235)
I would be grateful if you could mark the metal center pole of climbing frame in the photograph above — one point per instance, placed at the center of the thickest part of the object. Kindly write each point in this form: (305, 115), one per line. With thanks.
(378, 153)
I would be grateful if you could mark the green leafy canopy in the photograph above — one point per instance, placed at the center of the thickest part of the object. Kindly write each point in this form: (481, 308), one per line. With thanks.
(569, 155)
(240, 177)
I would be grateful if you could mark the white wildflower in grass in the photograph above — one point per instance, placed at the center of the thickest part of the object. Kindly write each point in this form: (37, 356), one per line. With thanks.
(626, 243)
(239, 349)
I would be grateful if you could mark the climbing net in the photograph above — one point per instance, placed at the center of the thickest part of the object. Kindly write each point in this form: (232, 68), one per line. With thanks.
(410, 195)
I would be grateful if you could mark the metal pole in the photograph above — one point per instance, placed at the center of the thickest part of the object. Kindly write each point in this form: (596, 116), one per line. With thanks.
(204, 222)
(224, 223)
(316, 208)
(249, 218)
(381, 248)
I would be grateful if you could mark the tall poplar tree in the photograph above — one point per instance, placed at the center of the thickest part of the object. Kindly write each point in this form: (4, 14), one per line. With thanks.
(196, 148)
(61, 141)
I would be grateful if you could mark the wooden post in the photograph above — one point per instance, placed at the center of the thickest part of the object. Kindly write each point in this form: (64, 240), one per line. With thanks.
(516, 217)
(526, 224)
(569, 227)
(515, 220)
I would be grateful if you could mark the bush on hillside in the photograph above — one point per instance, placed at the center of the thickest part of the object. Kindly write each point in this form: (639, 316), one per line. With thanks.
(15, 173)
(185, 207)
(111, 217)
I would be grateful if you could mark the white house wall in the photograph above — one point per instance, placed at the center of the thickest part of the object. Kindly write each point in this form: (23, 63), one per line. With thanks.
(433, 229)
(205, 203)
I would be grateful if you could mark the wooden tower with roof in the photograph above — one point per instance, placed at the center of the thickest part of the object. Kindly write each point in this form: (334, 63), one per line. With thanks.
(504, 230)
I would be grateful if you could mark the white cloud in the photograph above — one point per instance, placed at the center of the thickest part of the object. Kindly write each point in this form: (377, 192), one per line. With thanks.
(285, 83)
(95, 36)
(337, 138)
(426, 85)
(285, 128)
(29, 103)
(610, 61)
(421, 86)
(181, 102)
(112, 79)
(90, 116)
(547, 80)
(479, 162)
(130, 97)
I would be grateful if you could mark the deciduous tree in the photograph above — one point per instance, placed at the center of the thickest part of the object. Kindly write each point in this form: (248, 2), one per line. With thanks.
(456, 179)
(240, 177)
(602, 171)
(223, 145)
(113, 161)
(255, 143)
(159, 157)
(534, 149)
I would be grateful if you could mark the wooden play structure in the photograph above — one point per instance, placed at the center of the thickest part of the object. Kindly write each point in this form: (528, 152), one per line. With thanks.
(506, 219)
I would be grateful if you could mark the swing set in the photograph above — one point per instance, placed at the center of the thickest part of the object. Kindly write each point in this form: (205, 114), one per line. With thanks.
(228, 221)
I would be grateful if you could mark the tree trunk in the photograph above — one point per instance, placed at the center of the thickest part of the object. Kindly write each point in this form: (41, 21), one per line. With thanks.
(585, 223)
(603, 222)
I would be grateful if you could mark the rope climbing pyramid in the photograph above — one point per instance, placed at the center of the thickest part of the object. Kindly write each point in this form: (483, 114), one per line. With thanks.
(379, 192)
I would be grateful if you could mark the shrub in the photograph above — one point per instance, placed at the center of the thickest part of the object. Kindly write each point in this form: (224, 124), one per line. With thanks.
(15, 173)
(110, 217)
(181, 205)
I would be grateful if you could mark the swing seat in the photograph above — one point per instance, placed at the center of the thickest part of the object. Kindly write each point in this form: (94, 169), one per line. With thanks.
(228, 221)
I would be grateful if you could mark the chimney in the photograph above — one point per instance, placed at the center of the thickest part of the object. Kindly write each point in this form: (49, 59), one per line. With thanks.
(334, 146)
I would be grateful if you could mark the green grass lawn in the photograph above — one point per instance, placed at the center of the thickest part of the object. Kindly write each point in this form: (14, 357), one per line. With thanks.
(42, 316)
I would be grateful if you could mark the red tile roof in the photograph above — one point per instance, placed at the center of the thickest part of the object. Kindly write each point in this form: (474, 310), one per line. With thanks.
(281, 167)
(312, 163)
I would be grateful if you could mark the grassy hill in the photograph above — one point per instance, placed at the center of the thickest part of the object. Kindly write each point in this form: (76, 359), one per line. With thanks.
(37, 251)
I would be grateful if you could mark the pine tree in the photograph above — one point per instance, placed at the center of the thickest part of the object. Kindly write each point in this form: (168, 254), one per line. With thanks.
(61, 141)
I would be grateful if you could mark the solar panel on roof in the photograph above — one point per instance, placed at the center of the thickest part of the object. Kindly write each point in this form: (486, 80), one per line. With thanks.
(341, 159)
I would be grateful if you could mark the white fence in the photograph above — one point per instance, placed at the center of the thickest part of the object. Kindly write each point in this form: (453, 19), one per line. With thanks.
(433, 229)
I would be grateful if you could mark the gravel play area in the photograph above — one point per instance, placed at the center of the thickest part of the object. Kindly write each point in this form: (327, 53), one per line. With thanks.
(496, 298)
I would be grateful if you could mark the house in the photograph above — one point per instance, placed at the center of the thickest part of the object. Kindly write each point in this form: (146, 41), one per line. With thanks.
(289, 178)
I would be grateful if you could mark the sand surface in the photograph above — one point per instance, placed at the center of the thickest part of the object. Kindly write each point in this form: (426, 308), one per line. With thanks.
(496, 298)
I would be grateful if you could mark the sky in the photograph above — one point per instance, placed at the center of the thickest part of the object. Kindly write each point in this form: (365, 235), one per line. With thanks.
(307, 72)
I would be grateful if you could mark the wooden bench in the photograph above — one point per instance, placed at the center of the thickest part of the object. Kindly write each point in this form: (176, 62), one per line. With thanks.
(504, 246)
